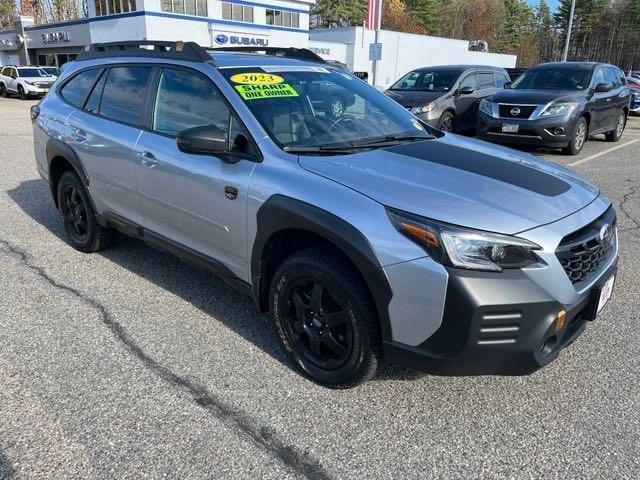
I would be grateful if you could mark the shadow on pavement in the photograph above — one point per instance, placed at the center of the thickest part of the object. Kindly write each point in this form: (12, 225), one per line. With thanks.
(200, 288)
(6, 470)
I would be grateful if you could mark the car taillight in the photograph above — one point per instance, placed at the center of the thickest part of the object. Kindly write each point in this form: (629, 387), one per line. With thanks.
(35, 111)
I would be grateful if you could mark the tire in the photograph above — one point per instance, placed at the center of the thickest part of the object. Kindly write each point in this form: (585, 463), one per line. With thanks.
(336, 107)
(78, 216)
(446, 123)
(616, 134)
(21, 93)
(3, 91)
(325, 318)
(578, 139)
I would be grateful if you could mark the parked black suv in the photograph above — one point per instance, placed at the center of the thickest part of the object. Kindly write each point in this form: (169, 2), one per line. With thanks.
(447, 97)
(558, 105)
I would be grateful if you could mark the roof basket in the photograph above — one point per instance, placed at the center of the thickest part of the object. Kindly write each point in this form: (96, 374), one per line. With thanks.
(186, 51)
(289, 52)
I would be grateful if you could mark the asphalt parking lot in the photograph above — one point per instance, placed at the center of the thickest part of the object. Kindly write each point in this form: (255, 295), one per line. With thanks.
(131, 364)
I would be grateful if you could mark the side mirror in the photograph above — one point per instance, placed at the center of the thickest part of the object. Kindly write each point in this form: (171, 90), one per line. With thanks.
(207, 140)
(14, 76)
(507, 85)
(466, 91)
(604, 87)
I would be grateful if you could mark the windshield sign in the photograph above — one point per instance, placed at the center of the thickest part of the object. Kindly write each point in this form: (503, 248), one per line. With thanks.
(322, 109)
(427, 81)
(563, 79)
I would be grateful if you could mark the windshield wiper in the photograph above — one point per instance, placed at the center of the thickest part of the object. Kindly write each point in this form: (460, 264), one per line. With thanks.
(322, 149)
(377, 141)
(351, 147)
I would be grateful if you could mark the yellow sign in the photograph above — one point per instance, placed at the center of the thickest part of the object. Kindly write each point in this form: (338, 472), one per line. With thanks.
(256, 79)
(253, 92)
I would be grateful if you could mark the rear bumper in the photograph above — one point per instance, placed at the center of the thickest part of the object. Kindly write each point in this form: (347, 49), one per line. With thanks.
(537, 132)
(498, 324)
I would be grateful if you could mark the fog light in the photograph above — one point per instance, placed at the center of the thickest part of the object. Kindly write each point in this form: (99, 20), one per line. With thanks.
(560, 320)
(558, 131)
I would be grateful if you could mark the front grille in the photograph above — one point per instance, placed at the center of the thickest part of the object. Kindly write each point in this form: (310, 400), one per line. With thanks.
(523, 111)
(583, 252)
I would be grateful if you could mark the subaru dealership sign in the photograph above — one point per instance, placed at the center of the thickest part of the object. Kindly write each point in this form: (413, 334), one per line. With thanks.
(240, 40)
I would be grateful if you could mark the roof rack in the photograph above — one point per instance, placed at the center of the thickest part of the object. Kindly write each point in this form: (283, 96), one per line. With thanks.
(187, 51)
(289, 52)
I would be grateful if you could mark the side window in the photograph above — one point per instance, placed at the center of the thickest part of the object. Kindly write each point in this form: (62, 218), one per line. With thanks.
(76, 89)
(4, 71)
(93, 102)
(501, 79)
(485, 80)
(598, 78)
(124, 94)
(187, 99)
(622, 76)
(469, 81)
(612, 77)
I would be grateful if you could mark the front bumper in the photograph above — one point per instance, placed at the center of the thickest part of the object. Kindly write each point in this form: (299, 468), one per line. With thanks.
(498, 324)
(536, 132)
(635, 106)
(35, 90)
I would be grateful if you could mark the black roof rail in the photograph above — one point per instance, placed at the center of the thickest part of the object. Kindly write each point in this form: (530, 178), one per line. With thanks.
(289, 52)
(187, 51)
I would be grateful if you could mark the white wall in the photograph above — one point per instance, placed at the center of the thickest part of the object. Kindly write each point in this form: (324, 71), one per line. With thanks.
(403, 52)
(118, 29)
(329, 50)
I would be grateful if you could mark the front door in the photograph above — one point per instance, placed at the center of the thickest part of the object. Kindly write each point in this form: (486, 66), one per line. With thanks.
(464, 103)
(192, 200)
(601, 103)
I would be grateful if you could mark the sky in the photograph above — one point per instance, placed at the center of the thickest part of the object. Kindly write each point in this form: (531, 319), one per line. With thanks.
(552, 3)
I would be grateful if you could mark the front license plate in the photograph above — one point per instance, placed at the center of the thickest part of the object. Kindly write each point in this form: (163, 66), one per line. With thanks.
(45, 90)
(510, 128)
(605, 293)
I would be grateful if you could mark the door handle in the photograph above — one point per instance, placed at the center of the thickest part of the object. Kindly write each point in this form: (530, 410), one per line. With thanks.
(79, 135)
(147, 159)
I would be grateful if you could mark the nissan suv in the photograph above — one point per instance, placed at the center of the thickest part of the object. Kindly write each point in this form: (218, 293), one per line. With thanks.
(367, 236)
(558, 105)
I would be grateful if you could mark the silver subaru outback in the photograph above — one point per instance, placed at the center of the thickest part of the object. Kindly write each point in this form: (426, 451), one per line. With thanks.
(366, 234)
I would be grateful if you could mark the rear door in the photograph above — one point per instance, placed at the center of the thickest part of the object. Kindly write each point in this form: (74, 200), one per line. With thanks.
(12, 80)
(195, 201)
(619, 96)
(104, 133)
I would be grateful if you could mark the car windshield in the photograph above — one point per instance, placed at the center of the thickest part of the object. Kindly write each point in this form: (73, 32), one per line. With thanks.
(32, 72)
(547, 79)
(315, 107)
(427, 81)
(51, 70)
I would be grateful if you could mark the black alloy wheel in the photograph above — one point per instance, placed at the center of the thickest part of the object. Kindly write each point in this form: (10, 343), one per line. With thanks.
(74, 212)
(325, 318)
(318, 324)
(446, 122)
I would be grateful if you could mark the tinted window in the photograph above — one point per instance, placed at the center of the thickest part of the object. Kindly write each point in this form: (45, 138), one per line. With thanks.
(124, 94)
(32, 72)
(76, 89)
(93, 103)
(485, 80)
(188, 99)
(612, 76)
(469, 81)
(501, 79)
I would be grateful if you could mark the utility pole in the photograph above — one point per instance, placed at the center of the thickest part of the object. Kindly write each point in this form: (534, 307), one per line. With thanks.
(566, 42)
(377, 39)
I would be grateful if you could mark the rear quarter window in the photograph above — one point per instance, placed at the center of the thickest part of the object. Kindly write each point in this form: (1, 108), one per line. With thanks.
(76, 89)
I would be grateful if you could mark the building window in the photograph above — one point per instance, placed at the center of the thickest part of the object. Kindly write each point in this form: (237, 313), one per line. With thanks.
(239, 13)
(110, 7)
(189, 7)
(282, 18)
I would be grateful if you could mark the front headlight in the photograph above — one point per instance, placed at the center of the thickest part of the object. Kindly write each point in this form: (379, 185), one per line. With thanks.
(423, 109)
(486, 107)
(29, 83)
(464, 247)
(558, 109)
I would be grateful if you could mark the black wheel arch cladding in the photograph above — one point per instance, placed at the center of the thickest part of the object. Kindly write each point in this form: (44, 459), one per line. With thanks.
(280, 213)
(58, 149)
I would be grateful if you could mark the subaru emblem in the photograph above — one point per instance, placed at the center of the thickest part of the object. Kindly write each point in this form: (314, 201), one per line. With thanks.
(515, 111)
(221, 39)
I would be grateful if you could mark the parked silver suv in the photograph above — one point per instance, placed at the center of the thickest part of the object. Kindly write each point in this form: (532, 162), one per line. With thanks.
(367, 235)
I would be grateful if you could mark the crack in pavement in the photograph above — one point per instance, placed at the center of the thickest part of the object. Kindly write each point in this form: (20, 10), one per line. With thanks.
(622, 207)
(262, 435)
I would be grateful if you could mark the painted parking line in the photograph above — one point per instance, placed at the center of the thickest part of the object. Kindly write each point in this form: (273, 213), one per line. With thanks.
(609, 150)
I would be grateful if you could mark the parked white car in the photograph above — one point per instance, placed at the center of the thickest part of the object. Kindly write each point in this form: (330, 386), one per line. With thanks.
(25, 82)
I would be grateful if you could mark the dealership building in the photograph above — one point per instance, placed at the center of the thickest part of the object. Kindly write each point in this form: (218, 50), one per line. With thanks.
(216, 23)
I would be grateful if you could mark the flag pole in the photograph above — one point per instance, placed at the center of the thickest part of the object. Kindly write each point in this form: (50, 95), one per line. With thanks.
(377, 37)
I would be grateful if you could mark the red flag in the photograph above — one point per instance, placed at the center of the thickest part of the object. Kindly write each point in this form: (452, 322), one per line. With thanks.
(373, 13)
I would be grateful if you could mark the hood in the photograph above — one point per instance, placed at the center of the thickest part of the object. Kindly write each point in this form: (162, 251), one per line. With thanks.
(536, 97)
(38, 79)
(461, 181)
(408, 98)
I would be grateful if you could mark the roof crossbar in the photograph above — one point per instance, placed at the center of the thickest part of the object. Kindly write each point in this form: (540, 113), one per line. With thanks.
(289, 52)
(186, 51)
